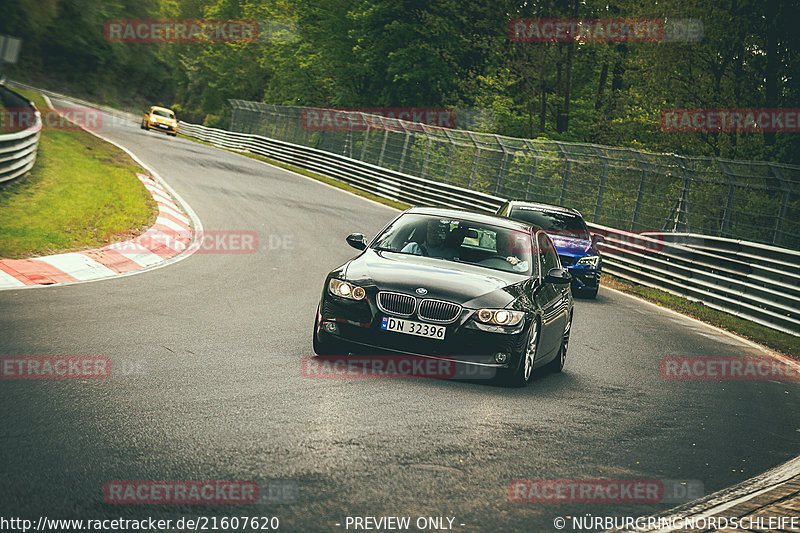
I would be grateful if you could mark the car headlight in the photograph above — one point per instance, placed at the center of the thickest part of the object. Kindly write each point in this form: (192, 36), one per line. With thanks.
(347, 290)
(500, 317)
(591, 260)
(152, 118)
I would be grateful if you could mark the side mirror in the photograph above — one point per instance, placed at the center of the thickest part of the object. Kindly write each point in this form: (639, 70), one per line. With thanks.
(357, 241)
(559, 276)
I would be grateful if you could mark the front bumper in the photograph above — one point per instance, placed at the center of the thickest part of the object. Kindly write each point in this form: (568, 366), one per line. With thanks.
(584, 277)
(164, 127)
(466, 341)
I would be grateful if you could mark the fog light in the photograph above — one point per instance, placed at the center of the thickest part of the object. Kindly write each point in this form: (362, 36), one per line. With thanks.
(500, 357)
(331, 327)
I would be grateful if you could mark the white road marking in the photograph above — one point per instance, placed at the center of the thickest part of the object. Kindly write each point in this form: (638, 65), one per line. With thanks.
(77, 265)
(7, 281)
(171, 211)
(170, 224)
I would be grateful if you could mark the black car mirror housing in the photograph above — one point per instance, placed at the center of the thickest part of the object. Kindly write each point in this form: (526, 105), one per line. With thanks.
(357, 241)
(559, 276)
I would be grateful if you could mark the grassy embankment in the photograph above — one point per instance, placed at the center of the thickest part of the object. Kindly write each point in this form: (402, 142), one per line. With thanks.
(82, 193)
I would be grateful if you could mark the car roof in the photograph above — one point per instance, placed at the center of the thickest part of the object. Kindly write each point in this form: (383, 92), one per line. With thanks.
(544, 207)
(474, 216)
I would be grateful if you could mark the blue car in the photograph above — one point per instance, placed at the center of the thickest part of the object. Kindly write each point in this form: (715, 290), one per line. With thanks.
(574, 243)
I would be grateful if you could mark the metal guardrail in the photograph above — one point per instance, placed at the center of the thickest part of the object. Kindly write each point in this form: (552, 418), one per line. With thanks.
(755, 281)
(18, 149)
(77, 101)
(750, 280)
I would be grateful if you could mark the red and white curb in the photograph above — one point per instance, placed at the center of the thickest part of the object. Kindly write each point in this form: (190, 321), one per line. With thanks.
(169, 236)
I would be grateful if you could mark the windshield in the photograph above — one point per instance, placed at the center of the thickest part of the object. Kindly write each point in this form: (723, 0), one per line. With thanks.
(555, 223)
(160, 113)
(452, 239)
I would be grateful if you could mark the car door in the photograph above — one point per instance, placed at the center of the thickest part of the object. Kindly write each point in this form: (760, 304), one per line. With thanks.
(554, 299)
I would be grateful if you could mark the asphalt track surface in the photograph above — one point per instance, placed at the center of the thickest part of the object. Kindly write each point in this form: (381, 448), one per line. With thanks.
(216, 340)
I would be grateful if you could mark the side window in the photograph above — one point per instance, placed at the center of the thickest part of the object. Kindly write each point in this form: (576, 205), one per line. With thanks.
(548, 256)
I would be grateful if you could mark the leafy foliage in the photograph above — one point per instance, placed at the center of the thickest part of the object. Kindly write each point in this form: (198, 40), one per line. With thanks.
(371, 53)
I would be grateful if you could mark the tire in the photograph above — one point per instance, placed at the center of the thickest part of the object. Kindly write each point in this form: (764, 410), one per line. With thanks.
(323, 344)
(557, 365)
(521, 376)
(145, 126)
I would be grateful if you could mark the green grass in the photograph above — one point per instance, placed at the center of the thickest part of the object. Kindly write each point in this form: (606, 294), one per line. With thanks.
(784, 343)
(82, 193)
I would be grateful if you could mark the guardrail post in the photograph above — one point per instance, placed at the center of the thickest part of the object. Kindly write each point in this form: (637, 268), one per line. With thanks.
(306, 133)
(682, 203)
(366, 135)
(777, 236)
(475, 163)
(285, 128)
(502, 164)
(565, 178)
(383, 146)
(234, 112)
(640, 193)
(450, 158)
(348, 144)
(427, 151)
(534, 166)
(726, 215)
(405, 145)
(601, 190)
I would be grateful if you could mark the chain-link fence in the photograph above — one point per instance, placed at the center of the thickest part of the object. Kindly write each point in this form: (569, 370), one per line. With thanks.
(618, 187)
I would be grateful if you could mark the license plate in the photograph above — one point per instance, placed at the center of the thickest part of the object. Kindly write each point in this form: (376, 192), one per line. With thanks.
(409, 327)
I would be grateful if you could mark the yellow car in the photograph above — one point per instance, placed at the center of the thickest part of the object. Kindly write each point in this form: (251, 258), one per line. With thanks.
(160, 118)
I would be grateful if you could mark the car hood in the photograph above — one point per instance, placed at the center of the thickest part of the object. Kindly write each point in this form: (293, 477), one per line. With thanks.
(468, 285)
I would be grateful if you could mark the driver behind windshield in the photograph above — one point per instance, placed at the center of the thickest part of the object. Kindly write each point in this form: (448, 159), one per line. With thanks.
(506, 247)
(435, 243)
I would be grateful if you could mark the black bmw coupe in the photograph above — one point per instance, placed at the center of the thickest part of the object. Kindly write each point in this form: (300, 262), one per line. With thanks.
(451, 284)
